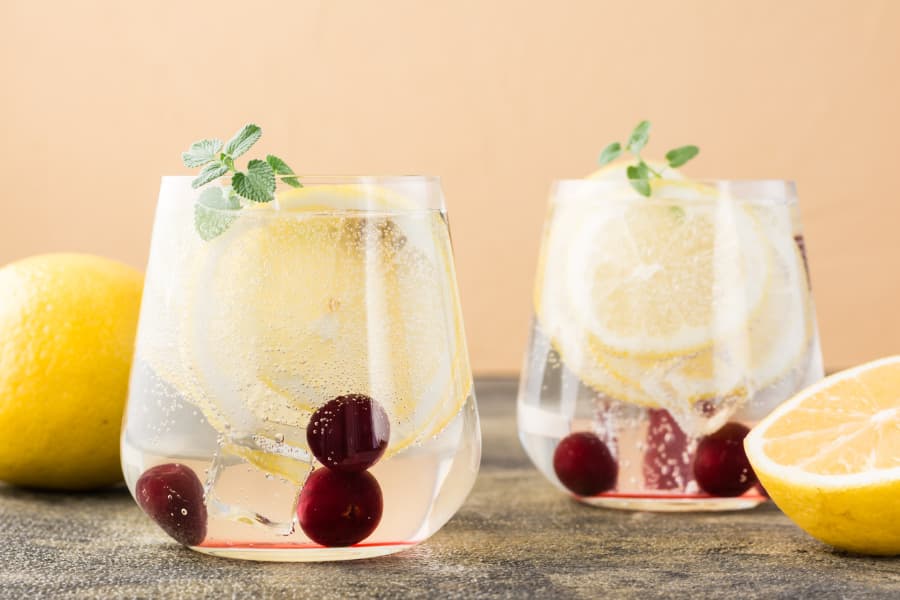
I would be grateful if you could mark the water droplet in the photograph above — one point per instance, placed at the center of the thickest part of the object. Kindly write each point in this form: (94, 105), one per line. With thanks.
(279, 437)
(184, 512)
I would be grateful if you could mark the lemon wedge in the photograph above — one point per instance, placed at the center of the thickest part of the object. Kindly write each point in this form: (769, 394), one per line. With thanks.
(830, 458)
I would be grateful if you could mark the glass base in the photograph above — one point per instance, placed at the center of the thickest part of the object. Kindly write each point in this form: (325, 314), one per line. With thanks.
(295, 553)
(674, 504)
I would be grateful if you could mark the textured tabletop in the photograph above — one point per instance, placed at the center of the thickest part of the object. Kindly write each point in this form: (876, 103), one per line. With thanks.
(516, 536)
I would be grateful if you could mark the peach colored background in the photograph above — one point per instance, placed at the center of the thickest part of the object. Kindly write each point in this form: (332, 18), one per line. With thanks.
(497, 97)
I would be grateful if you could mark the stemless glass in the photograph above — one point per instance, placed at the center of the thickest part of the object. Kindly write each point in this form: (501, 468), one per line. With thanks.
(301, 387)
(663, 328)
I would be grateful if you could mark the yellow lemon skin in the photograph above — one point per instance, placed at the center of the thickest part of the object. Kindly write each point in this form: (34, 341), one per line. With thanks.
(864, 519)
(67, 327)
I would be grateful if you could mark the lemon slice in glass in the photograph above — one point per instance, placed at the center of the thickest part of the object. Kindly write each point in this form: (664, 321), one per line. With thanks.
(338, 290)
(665, 275)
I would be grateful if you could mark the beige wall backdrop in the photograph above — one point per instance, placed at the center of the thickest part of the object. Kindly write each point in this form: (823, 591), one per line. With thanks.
(497, 97)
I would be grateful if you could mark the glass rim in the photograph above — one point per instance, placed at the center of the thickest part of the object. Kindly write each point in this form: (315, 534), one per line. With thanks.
(318, 179)
(701, 181)
(378, 195)
(764, 192)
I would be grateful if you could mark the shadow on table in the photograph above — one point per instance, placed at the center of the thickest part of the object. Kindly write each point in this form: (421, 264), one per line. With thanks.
(114, 492)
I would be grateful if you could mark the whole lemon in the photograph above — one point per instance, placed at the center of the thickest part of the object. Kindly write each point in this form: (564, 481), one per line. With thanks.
(67, 327)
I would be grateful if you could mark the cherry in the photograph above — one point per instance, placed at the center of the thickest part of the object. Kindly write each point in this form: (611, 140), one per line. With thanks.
(339, 508)
(349, 433)
(721, 467)
(584, 464)
(665, 466)
(172, 495)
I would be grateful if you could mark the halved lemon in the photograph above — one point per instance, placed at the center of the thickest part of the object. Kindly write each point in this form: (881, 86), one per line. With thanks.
(830, 458)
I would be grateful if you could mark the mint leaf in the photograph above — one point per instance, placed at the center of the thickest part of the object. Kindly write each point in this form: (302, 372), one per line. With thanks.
(638, 171)
(242, 140)
(679, 156)
(210, 216)
(201, 153)
(216, 197)
(610, 153)
(257, 184)
(211, 171)
(637, 177)
(281, 168)
(639, 137)
(642, 186)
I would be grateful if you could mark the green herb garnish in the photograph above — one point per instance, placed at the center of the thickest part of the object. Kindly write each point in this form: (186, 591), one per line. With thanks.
(639, 174)
(257, 183)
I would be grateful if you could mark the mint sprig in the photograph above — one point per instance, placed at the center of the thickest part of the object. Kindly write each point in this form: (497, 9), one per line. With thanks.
(211, 212)
(257, 183)
(640, 173)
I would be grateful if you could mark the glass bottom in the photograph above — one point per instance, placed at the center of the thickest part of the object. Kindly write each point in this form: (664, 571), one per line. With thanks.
(300, 553)
(672, 503)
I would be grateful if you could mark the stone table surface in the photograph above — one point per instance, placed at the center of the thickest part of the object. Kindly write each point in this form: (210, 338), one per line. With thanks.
(516, 536)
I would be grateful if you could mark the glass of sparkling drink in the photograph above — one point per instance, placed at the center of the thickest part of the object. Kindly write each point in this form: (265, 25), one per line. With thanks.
(664, 327)
(301, 389)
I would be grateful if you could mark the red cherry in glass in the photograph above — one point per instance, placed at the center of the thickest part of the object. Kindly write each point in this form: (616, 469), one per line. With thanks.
(584, 464)
(339, 508)
(349, 433)
(172, 495)
(665, 465)
(721, 467)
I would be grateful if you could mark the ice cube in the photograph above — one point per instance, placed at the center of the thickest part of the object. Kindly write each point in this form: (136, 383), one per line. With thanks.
(256, 480)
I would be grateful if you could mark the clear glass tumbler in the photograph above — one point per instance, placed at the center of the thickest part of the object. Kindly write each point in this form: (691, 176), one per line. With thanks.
(664, 327)
(301, 389)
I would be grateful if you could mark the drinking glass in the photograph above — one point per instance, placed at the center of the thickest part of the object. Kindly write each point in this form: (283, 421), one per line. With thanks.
(664, 327)
(301, 389)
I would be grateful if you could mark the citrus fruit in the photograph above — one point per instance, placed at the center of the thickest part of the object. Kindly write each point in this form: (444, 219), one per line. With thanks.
(67, 326)
(830, 458)
(336, 289)
(685, 296)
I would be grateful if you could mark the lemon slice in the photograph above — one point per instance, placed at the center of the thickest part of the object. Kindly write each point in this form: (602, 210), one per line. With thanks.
(773, 342)
(553, 308)
(325, 299)
(673, 299)
(830, 458)
(665, 276)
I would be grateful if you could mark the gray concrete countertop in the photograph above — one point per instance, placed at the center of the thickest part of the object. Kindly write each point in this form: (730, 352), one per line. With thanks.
(515, 537)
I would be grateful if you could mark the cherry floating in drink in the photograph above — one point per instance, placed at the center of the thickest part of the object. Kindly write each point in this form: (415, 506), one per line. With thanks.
(339, 508)
(173, 496)
(584, 464)
(721, 467)
(349, 433)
